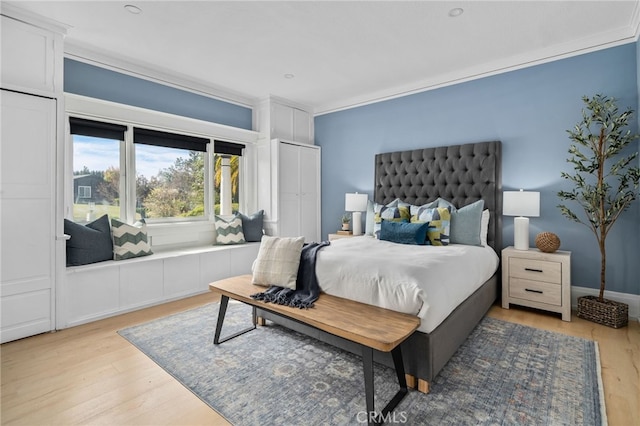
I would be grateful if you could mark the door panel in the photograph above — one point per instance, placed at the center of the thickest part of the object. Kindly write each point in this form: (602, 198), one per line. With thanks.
(27, 225)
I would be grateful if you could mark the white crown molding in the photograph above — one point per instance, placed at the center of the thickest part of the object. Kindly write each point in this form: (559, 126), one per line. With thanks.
(91, 56)
(28, 17)
(554, 53)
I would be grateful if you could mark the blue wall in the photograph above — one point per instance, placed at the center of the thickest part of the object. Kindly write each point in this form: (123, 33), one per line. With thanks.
(529, 110)
(88, 80)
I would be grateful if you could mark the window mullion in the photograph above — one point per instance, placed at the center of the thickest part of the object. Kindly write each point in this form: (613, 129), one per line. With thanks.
(209, 186)
(129, 181)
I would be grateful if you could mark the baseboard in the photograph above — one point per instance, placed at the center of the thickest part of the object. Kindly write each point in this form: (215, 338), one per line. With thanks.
(633, 300)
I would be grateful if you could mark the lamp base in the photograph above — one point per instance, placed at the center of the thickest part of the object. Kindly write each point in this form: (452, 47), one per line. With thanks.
(356, 223)
(521, 233)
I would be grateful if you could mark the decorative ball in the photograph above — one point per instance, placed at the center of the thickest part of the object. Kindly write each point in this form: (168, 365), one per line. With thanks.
(547, 242)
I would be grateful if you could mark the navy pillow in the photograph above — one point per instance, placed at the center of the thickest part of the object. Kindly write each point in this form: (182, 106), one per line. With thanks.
(404, 232)
(252, 226)
(89, 243)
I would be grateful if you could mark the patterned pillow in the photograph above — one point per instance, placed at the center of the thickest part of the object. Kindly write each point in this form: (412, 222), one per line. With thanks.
(277, 262)
(229, 231)
(404, 232)
(439, 219)
(393, 214)
(130, 241)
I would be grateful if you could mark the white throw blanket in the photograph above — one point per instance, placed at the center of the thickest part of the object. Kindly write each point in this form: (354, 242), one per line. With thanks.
(428, 281)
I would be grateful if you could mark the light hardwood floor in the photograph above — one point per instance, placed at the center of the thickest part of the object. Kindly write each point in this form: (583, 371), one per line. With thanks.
(90, 375)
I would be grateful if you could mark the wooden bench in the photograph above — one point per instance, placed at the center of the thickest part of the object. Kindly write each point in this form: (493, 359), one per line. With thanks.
(369, 326)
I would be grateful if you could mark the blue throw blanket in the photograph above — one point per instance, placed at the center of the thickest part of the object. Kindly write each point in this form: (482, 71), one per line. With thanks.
(307, 289)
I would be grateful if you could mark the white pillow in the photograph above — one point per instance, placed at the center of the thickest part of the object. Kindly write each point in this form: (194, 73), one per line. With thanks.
(277, 262)
(484, 227)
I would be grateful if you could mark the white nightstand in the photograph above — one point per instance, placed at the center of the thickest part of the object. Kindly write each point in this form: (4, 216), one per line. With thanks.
(338, 236)
(538, 280)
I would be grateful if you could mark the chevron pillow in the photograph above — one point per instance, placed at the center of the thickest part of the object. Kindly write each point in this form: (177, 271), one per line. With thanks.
(229, 232)
(130, 241)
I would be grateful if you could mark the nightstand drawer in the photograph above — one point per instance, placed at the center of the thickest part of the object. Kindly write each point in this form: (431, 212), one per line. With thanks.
(535, 291)
(536, 270)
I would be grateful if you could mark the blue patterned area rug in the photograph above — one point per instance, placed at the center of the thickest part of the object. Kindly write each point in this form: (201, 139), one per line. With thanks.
(505, 374)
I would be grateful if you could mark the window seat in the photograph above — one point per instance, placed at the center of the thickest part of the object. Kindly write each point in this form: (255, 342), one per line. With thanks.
(100, 290)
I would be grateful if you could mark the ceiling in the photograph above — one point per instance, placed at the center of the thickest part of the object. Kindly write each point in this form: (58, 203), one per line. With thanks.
(336, 54)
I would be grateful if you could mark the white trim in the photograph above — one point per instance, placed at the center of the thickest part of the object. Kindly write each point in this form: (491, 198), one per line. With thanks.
(633, 300)
(126, 114)
(568, 50)
(100, 59)
(31, 18)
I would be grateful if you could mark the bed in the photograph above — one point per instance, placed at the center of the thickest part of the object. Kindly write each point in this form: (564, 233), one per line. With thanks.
(461, 174)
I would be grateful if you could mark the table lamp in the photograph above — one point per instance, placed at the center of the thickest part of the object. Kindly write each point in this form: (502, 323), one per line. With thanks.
(523, 204)
(356, 203)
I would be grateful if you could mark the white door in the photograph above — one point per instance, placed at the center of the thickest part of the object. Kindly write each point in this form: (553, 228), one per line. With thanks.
(309, 204)
(27, 230)
(289, 190)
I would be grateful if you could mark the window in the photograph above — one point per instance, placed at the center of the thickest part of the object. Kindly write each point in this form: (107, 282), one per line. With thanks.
(226, 177)
(132, 172)
(84, 192)
(96, 169)
(170, 170)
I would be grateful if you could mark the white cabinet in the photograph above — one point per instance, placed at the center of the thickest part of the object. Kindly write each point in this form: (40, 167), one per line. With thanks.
(31, 83)
(280, 119)
(31, 58)
(289, 188)
(104, 289)
(27, 282)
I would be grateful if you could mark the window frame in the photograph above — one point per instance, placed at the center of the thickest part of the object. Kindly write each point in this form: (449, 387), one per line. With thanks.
(98, 110)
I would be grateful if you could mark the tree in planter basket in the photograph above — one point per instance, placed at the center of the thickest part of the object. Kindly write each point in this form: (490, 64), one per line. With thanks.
(605, 183)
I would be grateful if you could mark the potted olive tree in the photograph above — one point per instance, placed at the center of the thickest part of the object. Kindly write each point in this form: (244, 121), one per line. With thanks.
(605, 183)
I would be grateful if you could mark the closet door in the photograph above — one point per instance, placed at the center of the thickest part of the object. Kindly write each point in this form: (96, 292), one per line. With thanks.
(27, 180)
(289, 190)
(309, 160)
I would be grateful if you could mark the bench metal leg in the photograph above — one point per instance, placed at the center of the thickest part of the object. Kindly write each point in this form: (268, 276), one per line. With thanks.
(367, 360)
(224, 301)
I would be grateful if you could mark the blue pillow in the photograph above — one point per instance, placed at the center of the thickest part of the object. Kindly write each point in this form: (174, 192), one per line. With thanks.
(89, 243)
(252, 226)
(404, 232)
(465, 222)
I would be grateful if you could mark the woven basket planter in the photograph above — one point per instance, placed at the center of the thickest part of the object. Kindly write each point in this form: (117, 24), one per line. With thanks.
(608, 312)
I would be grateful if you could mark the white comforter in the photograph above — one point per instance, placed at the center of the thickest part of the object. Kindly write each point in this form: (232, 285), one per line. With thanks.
(429, 281)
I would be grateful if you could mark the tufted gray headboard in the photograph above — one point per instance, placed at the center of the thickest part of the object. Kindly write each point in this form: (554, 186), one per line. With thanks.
(461, 174)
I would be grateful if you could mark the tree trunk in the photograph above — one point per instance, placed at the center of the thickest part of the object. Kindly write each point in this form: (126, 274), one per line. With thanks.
(603, 268)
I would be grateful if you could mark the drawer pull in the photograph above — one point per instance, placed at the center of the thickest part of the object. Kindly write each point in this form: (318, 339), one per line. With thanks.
(533, 291)
(533, 270)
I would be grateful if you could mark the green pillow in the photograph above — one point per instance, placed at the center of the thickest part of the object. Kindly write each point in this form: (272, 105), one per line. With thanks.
(465, 222)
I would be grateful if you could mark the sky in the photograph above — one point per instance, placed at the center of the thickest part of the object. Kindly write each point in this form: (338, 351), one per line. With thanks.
(100, 154)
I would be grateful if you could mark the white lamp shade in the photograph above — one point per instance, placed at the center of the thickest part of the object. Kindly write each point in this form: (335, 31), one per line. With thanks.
(521, 203)
(355, 202)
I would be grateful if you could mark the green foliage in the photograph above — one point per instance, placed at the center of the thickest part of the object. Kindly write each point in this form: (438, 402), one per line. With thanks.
(604, 182)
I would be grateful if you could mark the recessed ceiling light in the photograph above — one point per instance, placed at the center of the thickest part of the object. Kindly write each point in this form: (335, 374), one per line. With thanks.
(133, 9)
(456, 12)
(289, 76)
